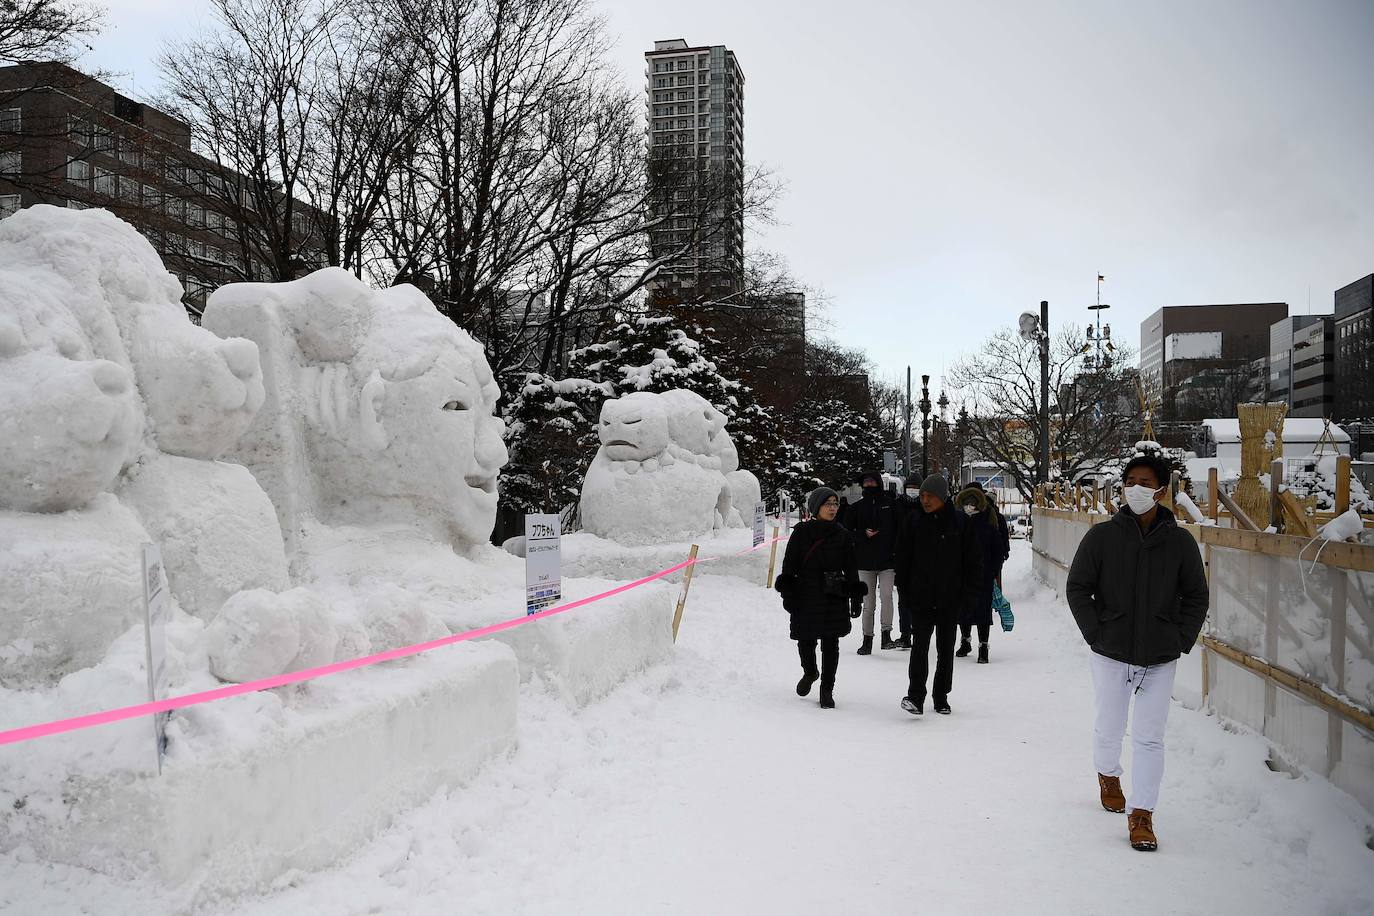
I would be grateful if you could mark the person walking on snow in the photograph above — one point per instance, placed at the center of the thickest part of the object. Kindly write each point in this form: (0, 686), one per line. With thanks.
(873, 522)
(821, 591)
(1139, 596)
(907, 503)
(939, 572)
(973, 503)
(1000, 524)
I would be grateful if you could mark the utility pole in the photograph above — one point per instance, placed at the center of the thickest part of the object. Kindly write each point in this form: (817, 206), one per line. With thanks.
(906, 468)
(1044, 391)
(925, 425)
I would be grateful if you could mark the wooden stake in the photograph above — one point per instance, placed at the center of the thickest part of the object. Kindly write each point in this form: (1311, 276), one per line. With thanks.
(1342, 484)
(686, 587)
(1275, 484)
(1296, 520)
(1213, 487)
(772, 558)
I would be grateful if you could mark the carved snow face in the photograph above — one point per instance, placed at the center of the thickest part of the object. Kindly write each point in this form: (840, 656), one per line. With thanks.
(692, 421)
(634, 427)
(445, 448)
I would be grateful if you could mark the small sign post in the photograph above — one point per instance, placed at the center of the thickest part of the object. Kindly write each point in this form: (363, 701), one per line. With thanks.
(760, 523)
(543, 562)
(156, 610)
(890, 460)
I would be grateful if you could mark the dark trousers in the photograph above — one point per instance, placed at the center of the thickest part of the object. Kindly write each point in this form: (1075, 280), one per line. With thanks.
(983, 630)
(920, 658)
(830, 659)
(903, 617)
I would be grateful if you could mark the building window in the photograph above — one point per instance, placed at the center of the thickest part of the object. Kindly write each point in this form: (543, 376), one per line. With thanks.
(128, 190)
(77, 205)
(11, 162)
(128, 152)
(10, 120)
(106, 182)
(104, 140)
(79, 172)
(9, 205)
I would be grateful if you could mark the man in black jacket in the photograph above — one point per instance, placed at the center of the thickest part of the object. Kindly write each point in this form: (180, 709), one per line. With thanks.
(873, 522)
(939, 571)
(907, 503)
(1138, 592)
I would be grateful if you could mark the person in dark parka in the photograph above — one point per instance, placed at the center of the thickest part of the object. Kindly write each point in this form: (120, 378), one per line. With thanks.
(1138, 592)
(973, 503)
(908, 502)
(821, 591)
(939, 571)
(873, 523)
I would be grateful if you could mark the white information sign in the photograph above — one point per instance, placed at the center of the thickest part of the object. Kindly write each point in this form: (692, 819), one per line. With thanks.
(543, 562)
(760, 523)
(157, 608)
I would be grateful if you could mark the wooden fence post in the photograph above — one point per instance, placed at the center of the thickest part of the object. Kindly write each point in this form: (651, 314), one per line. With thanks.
(686, 587)
(1213, 491)
(772, 558)
(1340, 584)
(1275, 504)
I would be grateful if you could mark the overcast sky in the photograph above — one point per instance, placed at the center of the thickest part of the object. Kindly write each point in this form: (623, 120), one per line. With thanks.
(949, 165)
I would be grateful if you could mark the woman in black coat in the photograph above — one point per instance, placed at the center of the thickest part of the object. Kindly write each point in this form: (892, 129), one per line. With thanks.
(973, 502)
(821, 590)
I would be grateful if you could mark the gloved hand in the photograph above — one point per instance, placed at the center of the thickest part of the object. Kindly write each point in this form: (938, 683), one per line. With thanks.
(856, 607)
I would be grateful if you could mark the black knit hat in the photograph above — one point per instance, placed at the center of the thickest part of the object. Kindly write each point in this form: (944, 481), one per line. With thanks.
(937, 486)
(816, 498)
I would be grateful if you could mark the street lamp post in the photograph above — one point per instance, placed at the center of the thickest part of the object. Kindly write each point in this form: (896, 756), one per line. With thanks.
(906, 468)
(925, 425)
(1036, 329)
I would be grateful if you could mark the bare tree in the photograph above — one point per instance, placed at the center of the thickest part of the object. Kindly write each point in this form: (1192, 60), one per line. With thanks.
(47, 30)
(1091, 412)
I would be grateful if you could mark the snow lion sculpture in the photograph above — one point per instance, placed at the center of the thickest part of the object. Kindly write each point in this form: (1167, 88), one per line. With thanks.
(655, 477)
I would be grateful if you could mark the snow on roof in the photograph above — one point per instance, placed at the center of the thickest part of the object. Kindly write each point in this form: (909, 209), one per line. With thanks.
(1295, 429)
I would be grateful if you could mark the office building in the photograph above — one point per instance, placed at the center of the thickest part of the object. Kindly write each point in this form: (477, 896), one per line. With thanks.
(695, 103)
(1202, 358)
(72, 141)
(1314, 363)
(1354, 345)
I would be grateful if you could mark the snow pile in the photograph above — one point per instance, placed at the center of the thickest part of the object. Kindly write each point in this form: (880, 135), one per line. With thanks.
(1316, 479)
(666, 470)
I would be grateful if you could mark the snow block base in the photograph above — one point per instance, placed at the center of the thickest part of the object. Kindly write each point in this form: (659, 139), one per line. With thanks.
(298, 796)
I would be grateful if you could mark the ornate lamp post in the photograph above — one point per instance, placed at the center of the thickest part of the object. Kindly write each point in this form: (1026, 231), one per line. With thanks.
(924, 406)
(1036, 329)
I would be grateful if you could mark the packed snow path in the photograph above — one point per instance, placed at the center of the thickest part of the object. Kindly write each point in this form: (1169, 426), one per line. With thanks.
(708, 786)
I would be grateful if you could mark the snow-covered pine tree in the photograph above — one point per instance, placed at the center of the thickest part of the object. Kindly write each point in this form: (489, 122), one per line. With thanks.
(551, 435)
(834, 441)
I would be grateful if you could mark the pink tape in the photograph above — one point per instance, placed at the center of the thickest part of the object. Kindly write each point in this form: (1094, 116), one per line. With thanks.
(31, 732)
(76, 723)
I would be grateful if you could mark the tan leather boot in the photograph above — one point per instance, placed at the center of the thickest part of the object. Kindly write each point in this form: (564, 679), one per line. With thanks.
(1113, 799)
(1141, 824)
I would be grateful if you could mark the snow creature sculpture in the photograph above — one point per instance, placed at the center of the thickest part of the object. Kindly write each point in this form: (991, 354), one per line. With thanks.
(655, 477)
(101, 372)
(379, 410)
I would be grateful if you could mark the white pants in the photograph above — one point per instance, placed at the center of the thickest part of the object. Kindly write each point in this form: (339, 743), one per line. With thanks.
(877, 580)
(1114, 684)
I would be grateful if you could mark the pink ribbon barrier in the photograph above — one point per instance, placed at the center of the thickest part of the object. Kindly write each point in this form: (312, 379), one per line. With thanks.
(76, 723)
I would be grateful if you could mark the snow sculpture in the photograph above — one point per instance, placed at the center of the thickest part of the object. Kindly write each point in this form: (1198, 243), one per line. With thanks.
(745, 490)
(102, 372)
(378, 410)
(655, 477)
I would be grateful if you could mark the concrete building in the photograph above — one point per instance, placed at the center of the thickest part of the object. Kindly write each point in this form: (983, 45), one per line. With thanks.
(1202, 357)
(1314, 377)
(1281, 333)
(1354, 346)
(695, 102)
(72, 141)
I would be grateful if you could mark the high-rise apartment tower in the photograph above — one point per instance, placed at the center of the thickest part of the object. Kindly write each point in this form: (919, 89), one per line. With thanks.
(695, 98)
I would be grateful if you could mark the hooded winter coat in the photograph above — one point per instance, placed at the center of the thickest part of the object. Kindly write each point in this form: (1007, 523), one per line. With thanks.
(815, 548)
(878, 511)
(1138, 598)
(939, 565)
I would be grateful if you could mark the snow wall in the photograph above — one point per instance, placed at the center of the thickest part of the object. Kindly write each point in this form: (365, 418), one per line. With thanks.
(1278, 609)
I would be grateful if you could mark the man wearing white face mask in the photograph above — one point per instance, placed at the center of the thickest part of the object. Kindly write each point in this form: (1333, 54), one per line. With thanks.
(1138, 592)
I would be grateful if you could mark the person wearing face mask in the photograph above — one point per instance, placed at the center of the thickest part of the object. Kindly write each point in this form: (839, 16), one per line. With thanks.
(821, 591)
(1138, 593)
(873, 522)
(939, 572)
(973, 503)
(907, 503)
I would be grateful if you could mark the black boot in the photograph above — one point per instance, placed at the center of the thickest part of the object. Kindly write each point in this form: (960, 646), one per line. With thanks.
(867, 647)
(982, 653)
(804, 685)
(904, 642)
(887, 640)
(827, 698)
(965, 648)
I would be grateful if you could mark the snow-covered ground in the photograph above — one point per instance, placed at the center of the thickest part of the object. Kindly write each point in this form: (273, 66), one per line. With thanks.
(707, 786)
